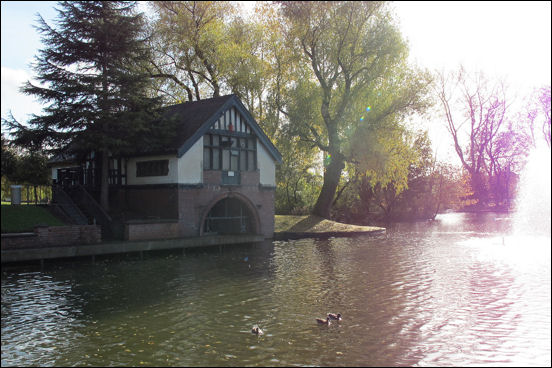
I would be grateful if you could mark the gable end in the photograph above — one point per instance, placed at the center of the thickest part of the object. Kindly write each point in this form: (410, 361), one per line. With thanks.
(236, 103)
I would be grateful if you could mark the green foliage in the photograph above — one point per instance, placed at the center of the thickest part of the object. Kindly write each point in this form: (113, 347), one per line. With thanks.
(24, 168)
(203, 48)
(32, 169)
(9, 159)
(91, 79)
(429, 187)
(93, 82)
(297, 180)
(353, 57)
(306, 71)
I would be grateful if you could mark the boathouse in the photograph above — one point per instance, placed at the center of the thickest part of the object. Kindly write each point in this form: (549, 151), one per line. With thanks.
(217, 176)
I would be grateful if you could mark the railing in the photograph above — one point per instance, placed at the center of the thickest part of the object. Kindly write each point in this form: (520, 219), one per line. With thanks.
(89, 203)
(66, 204)
(43, 193)
(93, 208)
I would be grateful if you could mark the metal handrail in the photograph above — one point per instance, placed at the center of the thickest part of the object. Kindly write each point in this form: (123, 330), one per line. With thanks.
(67, 201)
(92, 201)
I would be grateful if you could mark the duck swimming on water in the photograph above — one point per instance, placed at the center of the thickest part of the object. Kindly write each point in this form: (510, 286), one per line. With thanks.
(256, 330)
(323, 322)
(334, 316)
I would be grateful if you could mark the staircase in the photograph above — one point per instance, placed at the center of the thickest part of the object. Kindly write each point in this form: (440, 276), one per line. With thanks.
(68, 207)
(82, 208)
(86, 202)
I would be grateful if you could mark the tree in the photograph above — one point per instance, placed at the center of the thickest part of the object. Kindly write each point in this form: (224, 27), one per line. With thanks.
(352, 50)
(19, 166)
(431, 187)
(9, 159)
(92, 77)
(297, 178)
(32, 168)
(394, 179)
(475, 113)
(200, 47)
(538, 113)
(491, 145)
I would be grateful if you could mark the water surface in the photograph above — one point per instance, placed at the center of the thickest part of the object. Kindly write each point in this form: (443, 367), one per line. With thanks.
(456, 291)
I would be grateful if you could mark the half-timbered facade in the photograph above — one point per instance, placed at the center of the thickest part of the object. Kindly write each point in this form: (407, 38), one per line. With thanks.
(217, 177)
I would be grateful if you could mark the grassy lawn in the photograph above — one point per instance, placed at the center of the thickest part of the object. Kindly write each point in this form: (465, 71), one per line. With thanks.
(23, 218)
(314, 224)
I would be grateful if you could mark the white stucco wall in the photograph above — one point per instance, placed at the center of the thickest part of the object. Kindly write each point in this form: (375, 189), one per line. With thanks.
(172, 176)
(54, 172)
(65, 166)
(190, 165)
(266, 165)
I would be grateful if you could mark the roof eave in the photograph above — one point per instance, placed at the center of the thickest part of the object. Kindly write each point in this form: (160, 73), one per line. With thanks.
(233, 101)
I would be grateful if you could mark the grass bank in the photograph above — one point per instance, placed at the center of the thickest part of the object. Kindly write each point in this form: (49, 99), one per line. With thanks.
(313, 226)
(18, 219)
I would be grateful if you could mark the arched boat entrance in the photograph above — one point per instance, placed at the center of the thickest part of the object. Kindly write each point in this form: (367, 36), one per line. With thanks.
(230, 215)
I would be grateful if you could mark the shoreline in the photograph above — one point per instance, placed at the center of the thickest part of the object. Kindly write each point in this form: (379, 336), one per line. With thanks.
(299, 227)
(122, 246)
(286, 227)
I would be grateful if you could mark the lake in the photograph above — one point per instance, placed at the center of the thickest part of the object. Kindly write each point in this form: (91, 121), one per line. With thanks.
(460, 290)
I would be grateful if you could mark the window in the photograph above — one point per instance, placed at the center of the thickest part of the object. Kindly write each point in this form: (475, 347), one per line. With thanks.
(233, 152)
(152, 168)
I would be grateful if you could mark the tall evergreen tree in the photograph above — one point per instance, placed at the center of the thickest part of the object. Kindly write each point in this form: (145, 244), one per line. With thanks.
(92, 78)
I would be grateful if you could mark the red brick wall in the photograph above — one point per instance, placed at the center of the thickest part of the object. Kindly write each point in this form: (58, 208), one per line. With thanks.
(194, 203)
(212, 177)
(189, 205)
(54, 236)
(148, 231)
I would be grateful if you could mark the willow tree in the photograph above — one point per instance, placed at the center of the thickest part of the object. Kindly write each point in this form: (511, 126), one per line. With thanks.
(92, 81)
(355, 54)
(203, 49)
(189, 40)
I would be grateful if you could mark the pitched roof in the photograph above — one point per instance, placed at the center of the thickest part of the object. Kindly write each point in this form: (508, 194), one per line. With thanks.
(191, 116)
(194, 119)
(63, 158)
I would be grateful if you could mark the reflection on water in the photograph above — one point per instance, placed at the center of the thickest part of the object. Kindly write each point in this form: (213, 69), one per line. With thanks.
(456, 291)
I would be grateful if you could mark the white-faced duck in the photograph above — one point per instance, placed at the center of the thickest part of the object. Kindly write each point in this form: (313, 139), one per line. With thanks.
(334, 316)
(323, 322)
(256, 330)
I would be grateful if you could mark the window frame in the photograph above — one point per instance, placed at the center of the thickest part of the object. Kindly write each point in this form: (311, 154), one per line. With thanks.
(152, 168)
(242, 145)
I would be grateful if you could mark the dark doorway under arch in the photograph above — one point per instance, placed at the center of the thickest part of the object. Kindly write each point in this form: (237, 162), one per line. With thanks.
(229, 216)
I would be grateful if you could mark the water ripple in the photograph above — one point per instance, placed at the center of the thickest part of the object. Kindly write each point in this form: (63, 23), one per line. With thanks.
(418, 297)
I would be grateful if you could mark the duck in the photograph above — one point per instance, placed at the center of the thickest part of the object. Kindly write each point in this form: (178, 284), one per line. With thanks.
(334, 316)
(256, 330)
(324, 322)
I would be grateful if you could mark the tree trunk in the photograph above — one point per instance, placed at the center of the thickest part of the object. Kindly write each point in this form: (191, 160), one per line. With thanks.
(104, 183)
(438, 198)
(331, 180)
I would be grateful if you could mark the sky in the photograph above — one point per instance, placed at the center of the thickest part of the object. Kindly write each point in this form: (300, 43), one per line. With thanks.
(509, 40)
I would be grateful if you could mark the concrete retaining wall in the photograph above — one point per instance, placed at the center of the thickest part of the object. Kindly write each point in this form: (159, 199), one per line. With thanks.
(53, 236)
(23, 255)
